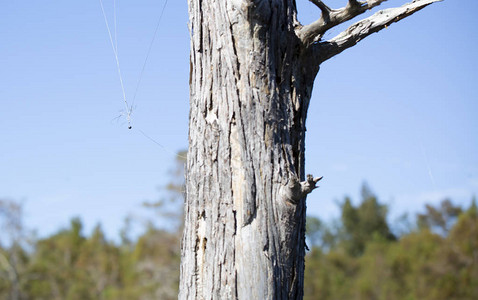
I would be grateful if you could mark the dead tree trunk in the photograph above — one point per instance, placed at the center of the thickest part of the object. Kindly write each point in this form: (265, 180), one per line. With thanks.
(252, 70)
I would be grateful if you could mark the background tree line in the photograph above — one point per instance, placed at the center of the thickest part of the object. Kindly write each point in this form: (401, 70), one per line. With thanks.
(361, 255)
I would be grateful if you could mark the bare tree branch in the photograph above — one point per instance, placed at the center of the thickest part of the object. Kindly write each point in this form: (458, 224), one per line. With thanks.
(324, 8)
(333, 17)
(366, 27)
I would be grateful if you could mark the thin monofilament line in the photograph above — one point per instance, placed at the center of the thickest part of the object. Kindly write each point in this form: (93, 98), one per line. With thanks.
(149, 51)
(114, 18)
(127, 107)
(427, 164)
(163, 147)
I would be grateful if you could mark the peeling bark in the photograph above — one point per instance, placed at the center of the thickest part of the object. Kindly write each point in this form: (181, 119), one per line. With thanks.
(252, 71)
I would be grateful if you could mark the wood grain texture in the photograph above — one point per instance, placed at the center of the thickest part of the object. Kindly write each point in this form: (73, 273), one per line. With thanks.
(251, 79)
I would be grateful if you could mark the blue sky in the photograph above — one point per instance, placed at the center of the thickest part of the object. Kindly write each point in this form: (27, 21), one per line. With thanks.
(399, 110)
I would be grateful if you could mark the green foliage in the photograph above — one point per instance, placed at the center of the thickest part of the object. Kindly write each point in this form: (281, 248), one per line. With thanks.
(364, 223)
(357, 258)
(71, 266)
(434, 262)
(440, 218)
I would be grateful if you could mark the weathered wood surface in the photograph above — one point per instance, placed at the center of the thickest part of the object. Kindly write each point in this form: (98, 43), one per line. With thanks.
(252, 69)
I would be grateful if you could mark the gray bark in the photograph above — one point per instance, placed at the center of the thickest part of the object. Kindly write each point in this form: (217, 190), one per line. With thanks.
(252, 69)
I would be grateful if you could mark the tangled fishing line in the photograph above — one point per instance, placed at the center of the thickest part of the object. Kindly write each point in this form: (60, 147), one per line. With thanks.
(128, 110)
(114, 45)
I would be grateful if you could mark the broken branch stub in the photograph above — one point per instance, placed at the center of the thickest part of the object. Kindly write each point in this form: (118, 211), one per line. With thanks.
(296, 190)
